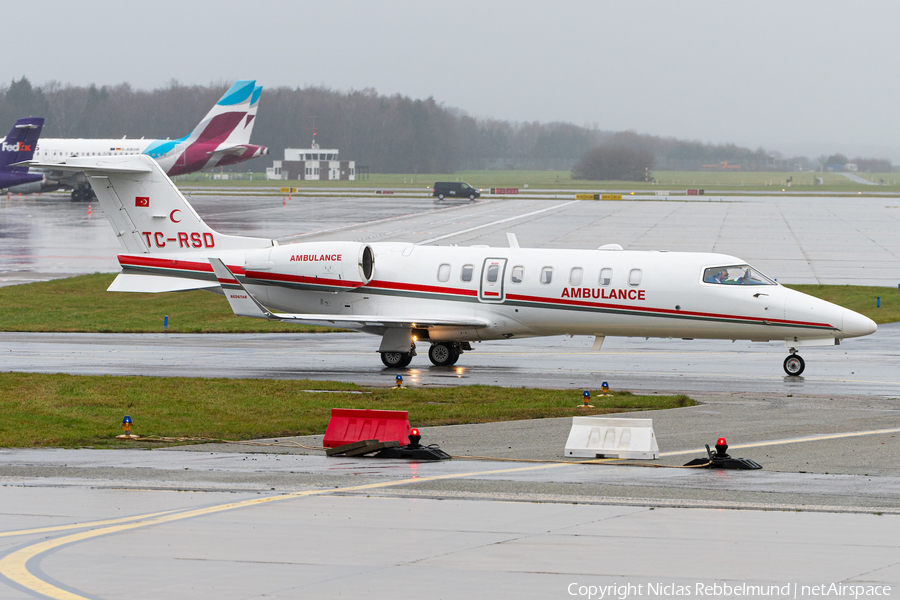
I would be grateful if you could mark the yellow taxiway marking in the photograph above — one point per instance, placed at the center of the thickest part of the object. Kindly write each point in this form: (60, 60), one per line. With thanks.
(53, 528)
(13, 566)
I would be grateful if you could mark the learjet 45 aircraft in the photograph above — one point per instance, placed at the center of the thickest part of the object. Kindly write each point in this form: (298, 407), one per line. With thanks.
(222, 138)
(449, 297)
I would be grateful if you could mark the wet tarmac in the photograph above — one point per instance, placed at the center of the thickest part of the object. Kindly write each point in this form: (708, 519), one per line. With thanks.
(869, 365)
(228, 521)
(829, 240)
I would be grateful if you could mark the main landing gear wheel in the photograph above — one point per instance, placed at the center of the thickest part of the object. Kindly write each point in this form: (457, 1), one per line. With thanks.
(396, 360)
(444, 355)
(83, 194)
(794, 365)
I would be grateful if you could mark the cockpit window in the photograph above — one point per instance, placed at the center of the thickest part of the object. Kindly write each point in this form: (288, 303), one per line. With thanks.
(736, 275)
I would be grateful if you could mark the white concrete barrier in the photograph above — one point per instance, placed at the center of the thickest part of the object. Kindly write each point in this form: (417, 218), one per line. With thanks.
(604, 437)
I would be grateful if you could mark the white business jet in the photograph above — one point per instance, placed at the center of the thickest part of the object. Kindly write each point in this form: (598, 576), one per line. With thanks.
(451, 296)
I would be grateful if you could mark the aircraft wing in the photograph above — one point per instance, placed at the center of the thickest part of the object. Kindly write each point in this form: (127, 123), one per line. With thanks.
(245, 305)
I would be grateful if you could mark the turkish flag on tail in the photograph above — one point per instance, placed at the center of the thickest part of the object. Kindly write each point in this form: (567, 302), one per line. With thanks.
(142, 201)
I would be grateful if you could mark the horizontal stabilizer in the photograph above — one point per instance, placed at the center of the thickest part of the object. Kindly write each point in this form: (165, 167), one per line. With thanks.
(94, 166)
(234, 149)
(245, 305)
(154, 284)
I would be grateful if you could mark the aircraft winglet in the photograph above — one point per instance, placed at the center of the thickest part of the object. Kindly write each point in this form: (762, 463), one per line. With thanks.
(242, 303)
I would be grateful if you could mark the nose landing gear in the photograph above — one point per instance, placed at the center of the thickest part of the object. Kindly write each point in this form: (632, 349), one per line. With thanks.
(793, 364)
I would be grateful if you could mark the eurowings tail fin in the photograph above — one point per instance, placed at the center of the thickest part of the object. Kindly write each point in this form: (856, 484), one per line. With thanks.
(227, 122)
(19, 145)
(241, 133)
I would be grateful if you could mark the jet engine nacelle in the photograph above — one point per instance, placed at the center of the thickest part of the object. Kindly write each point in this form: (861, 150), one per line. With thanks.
(36, 187)
(323, 265)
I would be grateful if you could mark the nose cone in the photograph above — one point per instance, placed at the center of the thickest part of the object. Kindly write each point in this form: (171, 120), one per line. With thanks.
(856, 325)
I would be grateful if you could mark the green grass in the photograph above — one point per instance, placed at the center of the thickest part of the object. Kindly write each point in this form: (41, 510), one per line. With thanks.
(859, 298)
(71, 410)
(675, 181)
(82, 304)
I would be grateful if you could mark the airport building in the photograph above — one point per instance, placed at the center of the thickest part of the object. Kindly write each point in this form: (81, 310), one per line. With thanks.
(312, 163)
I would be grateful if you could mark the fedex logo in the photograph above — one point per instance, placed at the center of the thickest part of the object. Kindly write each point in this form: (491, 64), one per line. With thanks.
(17, 147)
(183, 239)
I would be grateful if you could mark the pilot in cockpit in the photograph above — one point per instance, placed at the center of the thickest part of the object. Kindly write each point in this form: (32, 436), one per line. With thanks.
(716, 275)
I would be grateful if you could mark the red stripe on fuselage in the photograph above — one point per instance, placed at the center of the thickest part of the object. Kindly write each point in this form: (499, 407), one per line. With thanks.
(127, 260)
(413, 287)
(661, 311)
(303, 279)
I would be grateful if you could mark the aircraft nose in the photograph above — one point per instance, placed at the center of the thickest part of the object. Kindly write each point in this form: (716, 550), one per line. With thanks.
(856, 325)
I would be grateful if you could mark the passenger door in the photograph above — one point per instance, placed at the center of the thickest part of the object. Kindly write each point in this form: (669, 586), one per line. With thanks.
(493, 273)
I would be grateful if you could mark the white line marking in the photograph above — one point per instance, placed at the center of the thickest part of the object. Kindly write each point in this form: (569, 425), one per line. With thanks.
(496, 222)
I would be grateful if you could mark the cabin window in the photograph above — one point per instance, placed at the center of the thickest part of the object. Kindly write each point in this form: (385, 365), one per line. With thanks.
(576, 275)
(634, 278)
(493, 273)
(466, 273)
(546, 275)
(605, 276)
(444, 273)
(518, 274)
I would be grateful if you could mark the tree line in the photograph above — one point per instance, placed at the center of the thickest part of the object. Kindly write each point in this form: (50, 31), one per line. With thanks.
(388, 134)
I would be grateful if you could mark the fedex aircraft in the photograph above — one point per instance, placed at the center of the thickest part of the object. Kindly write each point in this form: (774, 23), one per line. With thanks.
(449, 297)
(16, 147)
(222, 138)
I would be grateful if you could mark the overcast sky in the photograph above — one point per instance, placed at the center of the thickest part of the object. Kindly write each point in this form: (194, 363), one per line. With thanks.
(797, 77)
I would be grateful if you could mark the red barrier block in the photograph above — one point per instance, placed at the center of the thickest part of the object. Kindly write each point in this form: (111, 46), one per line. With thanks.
(348, 425)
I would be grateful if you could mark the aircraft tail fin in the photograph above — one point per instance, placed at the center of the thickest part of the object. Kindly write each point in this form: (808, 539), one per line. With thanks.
(20, 144)
(147, 212)
(227, 120)
(241, 133)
